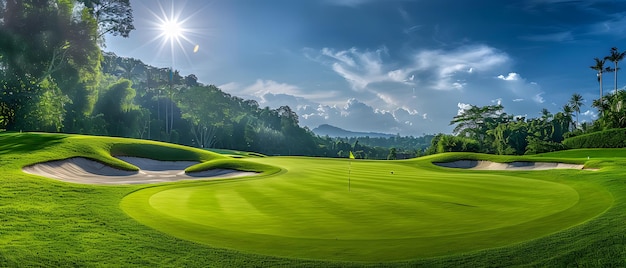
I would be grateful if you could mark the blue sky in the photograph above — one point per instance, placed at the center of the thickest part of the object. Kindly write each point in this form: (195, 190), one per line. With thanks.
(393, 66)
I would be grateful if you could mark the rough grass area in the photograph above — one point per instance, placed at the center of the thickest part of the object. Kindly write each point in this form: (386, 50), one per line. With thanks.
(50, 223)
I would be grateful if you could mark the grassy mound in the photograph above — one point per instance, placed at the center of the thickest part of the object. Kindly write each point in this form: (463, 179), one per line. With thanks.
(241, 165)
(50, 223)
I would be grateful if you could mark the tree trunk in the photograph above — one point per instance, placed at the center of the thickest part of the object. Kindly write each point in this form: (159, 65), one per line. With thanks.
(601, 103)
(616, 78)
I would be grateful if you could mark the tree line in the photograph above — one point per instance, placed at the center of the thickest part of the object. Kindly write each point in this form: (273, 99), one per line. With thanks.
(489, 129)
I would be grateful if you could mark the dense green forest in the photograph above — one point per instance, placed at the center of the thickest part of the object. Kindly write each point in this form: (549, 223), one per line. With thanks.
(56, 77)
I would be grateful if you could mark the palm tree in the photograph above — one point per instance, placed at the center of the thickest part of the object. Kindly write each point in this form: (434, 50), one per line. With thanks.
(545, 114)
(615, 57)
(567, 115)
(575, 103)
(599, 67)
(600, 104)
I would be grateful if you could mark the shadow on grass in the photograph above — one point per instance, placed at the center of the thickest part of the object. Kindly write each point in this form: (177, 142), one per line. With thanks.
(27, 142)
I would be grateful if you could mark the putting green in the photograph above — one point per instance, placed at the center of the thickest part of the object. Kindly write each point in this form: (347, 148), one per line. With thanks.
(392, 211)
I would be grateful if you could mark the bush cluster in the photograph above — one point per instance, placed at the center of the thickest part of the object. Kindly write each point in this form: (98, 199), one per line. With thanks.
(612, 138)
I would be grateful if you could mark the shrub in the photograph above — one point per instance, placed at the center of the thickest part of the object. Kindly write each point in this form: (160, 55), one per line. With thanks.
(612, 138)
(449, 143)
(537, 146)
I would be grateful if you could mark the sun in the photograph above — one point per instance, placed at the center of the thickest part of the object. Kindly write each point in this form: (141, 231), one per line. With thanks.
(171, 29)
(175, 31)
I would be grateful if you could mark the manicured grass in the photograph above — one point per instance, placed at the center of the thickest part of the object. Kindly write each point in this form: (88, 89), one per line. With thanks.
(309, 212)
(50, 223)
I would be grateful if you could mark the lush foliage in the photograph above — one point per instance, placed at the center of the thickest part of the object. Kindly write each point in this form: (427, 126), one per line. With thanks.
(612, 138)
(490, 130)
(375, 148)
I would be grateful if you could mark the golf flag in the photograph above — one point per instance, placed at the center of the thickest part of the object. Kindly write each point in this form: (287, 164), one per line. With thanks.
(351, 155)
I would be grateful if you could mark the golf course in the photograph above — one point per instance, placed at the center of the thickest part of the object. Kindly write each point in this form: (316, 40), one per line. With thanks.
(250, 210)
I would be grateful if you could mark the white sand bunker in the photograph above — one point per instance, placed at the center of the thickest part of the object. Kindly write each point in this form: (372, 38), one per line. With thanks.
(519, 165)
(86, 171)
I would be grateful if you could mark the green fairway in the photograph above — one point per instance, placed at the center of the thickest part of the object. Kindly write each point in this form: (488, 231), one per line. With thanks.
(299, 212)
(391, 211)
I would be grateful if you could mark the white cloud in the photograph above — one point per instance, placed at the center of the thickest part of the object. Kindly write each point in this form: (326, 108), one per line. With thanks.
(439, 69)
(516, 84)
(230, 87)
(361, 69)
(270, 92)
(458, 85)
(510, 77)
(341, 56)
(353, 115)
(462, 108)
(445, 66)
(356, 116)
(538, 98)
(262, 87)
(590, 113)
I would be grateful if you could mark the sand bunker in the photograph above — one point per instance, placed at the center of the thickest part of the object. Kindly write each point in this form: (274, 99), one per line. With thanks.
(520, 165)
(86, 171)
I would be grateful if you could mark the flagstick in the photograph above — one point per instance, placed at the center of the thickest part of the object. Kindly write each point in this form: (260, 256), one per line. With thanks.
(349, 169)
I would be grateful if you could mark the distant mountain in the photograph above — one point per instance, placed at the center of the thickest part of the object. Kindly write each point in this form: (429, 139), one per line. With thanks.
(334, 132)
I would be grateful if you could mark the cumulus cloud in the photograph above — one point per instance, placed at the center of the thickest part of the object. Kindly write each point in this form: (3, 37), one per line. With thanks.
(352, 114)
(518, 85)
(355, 115)
(462, 108)
(510, 77)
